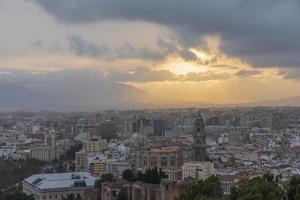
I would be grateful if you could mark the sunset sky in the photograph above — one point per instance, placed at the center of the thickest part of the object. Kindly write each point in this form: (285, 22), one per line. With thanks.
(162, 53)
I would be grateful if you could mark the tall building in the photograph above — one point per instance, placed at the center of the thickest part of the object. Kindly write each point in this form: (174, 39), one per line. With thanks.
(199, 136)
(279, 121)
(159, 127)
(42, 153)
(94, 145)
(107, 130)
(50, 140)
(81, 162)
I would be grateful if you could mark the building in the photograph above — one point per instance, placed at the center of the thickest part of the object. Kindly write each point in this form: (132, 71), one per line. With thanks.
(49, 140)
(197, 170)
(58, 186)
(107, 130)
(115, 190)
(117, 167)
(97, 167)
(94, 146)
(145, 191)
(199, 136)
(172, 190)
(279, 121)
(81, 162)
(162, 158)
(159, 127)
(43, 153)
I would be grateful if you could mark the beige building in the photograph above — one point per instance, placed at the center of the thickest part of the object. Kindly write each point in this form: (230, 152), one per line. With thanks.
(97, 167)
(58, 186)
(163, 158)
(94, 146)
(81, 162)
(197, 170)
(43, 153)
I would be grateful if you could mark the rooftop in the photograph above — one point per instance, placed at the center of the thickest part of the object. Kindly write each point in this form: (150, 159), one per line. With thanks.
(59, 181)
(165, 149)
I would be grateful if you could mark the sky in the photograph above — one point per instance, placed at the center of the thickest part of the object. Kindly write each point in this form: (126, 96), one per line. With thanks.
(104, 54)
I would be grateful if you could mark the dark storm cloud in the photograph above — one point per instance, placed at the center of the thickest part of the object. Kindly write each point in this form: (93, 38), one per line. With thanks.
(129, 51)
(255, 30)
(82, 47)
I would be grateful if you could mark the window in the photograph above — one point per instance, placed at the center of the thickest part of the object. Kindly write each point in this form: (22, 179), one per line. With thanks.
(153, 162)
(164, 162)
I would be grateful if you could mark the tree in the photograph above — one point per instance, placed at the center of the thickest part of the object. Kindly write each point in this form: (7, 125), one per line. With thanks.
(293, 192)
(258, 188)
(152, 176)
(17, 195)
(209, 189)
(128, 175)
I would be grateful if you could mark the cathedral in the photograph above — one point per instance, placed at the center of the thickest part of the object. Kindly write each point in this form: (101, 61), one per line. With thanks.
(199, 136)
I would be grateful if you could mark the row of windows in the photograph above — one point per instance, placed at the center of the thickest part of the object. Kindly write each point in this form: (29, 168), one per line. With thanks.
(61, 196)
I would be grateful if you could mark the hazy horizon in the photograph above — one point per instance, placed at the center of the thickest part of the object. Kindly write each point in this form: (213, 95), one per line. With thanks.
(98, 54)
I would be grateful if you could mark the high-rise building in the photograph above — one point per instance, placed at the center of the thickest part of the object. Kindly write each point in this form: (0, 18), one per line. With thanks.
(107, 130)
(199, 136)
(42, 153)
(49, 140)
(159, 127)
(279, 121)
(81, 163)
(94, 146)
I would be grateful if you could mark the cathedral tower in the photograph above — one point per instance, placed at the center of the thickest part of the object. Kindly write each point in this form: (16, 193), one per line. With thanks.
(199, 136)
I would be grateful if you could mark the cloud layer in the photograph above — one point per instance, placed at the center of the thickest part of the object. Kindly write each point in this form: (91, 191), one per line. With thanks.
(264, 32)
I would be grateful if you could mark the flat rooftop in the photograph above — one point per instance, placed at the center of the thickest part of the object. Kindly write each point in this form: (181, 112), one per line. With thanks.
(61, 181)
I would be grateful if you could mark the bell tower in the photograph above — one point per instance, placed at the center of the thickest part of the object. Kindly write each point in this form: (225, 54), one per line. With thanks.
(199, 136)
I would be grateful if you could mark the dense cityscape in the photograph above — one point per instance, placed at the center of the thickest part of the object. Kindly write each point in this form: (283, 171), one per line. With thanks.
(149, 100)
(148, 154)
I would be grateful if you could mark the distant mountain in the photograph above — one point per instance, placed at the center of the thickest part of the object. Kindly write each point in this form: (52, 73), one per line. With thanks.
(15, 97)
(290, 101)
(95, 95)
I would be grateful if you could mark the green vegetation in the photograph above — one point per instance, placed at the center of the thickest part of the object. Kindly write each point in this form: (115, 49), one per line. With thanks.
(258, 188)
(128, 175)
(152, 176)
(16, 195)
(293, 191)
(13, 172)
(209, 189)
